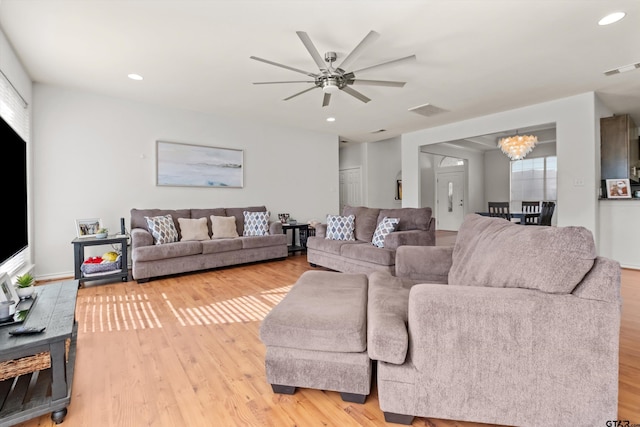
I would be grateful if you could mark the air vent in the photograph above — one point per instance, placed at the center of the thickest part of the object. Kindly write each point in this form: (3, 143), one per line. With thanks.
(428, 110)
(622, 69)
(379, 131)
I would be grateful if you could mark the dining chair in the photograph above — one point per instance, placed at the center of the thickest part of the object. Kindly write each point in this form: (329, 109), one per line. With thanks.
(546, 213)
(500, 210)
(531, 211)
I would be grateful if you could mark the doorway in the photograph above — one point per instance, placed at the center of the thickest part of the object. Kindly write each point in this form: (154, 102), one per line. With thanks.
(350, 187)
(450, 199)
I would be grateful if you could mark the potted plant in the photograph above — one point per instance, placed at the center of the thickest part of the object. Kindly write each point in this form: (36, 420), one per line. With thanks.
(24, 285)
(102, 233)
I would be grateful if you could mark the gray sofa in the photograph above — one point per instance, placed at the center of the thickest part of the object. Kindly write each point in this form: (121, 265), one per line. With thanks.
(513, 325)
(416, 227)
(151, 260)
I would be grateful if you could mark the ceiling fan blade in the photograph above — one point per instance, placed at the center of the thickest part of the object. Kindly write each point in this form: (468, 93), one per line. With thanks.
(376, 83)
(356, 94)
(306, 41)
(299, 93)
(266, 61)
(291, 81)
(326, 99)
(395, 61)
(357, 51)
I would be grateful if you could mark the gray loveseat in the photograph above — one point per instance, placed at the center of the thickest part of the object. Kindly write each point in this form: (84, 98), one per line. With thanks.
(416, 227)
(151, 260)
(513, 325)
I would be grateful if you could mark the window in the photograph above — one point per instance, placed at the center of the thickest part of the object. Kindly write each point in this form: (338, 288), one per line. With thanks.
(533, 179)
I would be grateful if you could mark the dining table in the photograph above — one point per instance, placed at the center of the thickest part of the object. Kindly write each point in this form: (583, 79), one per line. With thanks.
(517, 215)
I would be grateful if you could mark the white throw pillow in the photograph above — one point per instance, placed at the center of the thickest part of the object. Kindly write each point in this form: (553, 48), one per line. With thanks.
(162, 229)
(256, 223)
(340, 227)
(193, 229)
(223, 227)
(386, 226)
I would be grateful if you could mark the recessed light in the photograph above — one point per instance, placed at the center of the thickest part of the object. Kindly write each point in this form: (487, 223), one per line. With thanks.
(331, 119)
(611, 18)
(133, 76)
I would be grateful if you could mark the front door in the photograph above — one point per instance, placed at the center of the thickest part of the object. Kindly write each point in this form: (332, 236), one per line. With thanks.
(450, 200)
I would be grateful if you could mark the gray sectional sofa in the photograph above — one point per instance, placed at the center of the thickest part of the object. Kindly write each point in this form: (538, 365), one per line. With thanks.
(416, 227)
(154, 260)
(513, 326)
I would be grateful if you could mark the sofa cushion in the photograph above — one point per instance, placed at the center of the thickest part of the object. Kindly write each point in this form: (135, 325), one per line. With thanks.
(206, 213)
(239, 214)
(256, 223)
(369, 253)
(138, 221)
(162, 229)
(168, 250)
(327, 245)
(497, 253)
(410, 218)
(263, 241)
(340, 227)
(386, 226)
(221, 245)
(223, 227)
(193, 229)
(323, 311)
(365, 222)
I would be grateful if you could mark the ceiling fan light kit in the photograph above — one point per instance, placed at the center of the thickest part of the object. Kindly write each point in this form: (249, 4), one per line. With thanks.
(335, 79)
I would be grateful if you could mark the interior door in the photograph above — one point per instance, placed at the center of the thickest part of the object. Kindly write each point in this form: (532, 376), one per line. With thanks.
(350, 187)
(450, 200)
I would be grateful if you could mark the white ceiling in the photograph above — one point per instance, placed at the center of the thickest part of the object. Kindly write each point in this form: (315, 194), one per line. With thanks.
(474, 57)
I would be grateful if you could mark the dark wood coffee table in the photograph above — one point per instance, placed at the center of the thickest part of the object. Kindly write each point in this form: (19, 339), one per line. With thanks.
(29, 395)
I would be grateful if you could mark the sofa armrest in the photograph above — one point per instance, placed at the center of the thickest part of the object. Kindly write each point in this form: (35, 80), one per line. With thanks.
(424, 263)
(140, 237)
(321, 230)
(409, 237)
(275, 228)
(387, 337)
(481, 340)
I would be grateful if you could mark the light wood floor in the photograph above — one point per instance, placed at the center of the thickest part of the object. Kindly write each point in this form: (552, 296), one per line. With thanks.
(185, 351)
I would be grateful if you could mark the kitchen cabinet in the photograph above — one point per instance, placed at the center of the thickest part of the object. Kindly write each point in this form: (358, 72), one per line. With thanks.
(619, 148)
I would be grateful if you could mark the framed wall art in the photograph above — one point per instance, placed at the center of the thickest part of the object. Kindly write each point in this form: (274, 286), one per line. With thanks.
(618, 189)
(88, 227)
(188, 165)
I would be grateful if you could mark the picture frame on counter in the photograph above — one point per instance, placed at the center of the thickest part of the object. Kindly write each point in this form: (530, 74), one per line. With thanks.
(618, 189)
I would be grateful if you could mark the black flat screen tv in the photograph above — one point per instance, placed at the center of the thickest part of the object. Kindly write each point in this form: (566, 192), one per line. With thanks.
(13, 181)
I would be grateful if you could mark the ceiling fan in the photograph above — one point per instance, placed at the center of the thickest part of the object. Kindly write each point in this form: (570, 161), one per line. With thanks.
(333, 79)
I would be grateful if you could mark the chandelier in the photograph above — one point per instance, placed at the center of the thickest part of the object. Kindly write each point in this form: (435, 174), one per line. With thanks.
(518, 146)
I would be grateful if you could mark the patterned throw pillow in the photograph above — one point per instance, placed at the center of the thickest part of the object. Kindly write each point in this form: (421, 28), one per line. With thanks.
(340, 227)
(162, 229)
(256, 223)
(386, 226)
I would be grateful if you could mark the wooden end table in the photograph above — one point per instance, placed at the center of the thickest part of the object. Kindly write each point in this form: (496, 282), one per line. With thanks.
(32, 394)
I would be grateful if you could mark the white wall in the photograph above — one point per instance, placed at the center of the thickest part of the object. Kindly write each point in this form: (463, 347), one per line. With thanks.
(380, 163)
(94, 157)
(383, 167)
(577, 134)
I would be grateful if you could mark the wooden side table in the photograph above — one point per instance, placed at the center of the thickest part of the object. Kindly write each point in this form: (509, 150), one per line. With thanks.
(78, 257)
(303, 234)
(47, 389)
